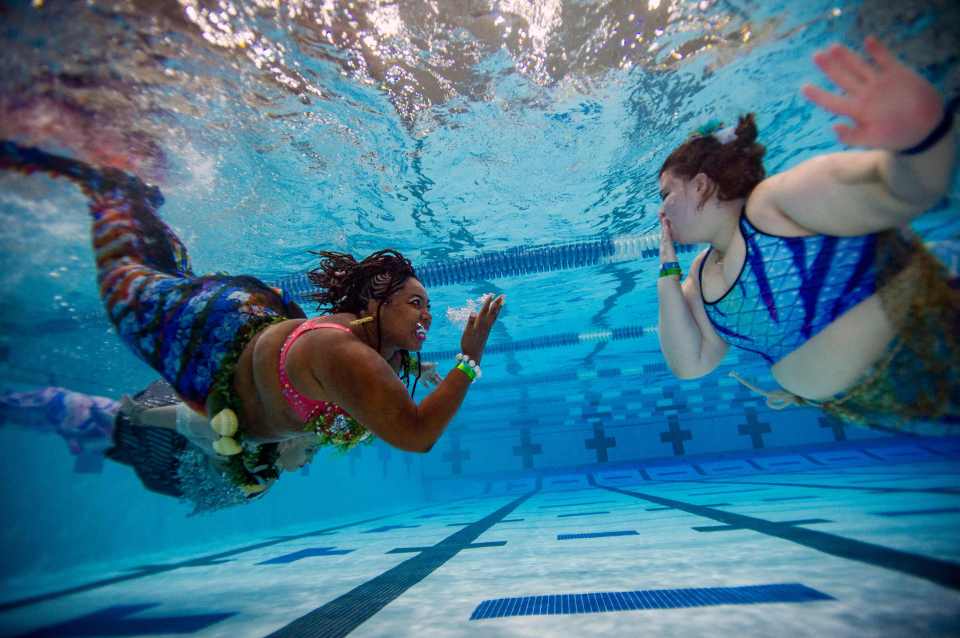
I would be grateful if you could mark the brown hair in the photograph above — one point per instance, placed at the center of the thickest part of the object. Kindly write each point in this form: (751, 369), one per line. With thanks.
(735, 167)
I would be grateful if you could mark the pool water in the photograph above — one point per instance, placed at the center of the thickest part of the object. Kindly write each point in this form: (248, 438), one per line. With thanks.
(505, 147)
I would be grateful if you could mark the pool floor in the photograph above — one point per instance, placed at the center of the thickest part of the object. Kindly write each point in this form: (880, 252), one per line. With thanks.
(864, 546)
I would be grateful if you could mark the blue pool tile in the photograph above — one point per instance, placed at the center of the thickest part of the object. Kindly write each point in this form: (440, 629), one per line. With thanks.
(726, 468)
(648, 599)
(565, 537)
(672, 472)
(899, 452)
(842, 457)
(514, 486)
(786, 462)
(305, 553)
(949, 446)
(114, 621)
(566, 482)
(415, 550)
(388, 528)
(555, 505)
(620, 477)
(727, 528)
(936, 510)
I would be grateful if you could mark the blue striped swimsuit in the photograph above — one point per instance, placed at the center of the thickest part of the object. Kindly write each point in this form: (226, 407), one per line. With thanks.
(791, 288)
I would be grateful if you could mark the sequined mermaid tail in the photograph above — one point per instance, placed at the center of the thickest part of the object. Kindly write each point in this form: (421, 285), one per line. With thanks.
(83, 420)
(188, 328)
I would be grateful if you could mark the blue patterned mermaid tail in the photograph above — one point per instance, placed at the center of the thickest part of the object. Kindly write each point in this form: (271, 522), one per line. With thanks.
(191, 329)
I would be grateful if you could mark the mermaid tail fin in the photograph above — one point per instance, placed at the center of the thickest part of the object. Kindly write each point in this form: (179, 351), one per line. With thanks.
(135, 203)
(93, 181)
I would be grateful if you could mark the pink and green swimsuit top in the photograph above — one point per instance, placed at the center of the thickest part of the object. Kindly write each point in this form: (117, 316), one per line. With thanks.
(331, 423)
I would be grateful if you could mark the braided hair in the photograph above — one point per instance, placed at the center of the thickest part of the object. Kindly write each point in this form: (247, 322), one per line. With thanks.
(735, 167)
(348, 285)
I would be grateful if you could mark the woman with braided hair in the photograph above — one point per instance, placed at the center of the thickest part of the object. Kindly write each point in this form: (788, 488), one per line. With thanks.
(253, 374)
(813, 268)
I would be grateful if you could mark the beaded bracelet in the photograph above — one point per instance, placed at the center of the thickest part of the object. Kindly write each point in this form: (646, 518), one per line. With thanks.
(469, 367)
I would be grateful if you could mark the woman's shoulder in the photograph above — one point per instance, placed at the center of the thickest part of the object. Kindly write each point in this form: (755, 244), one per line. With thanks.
(762, 213)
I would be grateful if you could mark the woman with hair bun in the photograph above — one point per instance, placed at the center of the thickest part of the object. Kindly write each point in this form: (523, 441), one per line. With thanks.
(257, 382)
(814, 268)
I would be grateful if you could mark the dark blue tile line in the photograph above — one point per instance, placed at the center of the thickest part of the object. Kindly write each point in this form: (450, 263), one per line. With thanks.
(458, 524)
(305, 553)
(212, 559)
(787, 498)
(113, 621)
(413, 550)
(546, 507)
(822, 486)
(563, 604)
(937, 510)
(727, 528)
(942, 572)
(619, 477)
(567, 537)
(511, 520)
(344, 614)
(580, 514)
(755, 489)
(388, 528)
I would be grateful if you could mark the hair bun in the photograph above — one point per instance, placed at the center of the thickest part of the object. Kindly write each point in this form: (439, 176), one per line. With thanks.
(746, 131)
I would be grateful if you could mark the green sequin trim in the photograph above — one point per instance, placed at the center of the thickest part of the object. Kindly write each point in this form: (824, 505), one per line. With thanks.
(256, 463)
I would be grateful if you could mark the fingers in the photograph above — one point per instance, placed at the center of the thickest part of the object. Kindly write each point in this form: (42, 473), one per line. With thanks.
(849, 135)
(880, 54)
(837, 104)
(845, 68)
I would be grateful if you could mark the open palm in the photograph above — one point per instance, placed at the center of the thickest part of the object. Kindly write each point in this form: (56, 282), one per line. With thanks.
(892, 107)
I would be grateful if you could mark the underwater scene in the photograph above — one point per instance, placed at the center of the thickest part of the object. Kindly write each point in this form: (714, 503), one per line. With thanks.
(479, 317)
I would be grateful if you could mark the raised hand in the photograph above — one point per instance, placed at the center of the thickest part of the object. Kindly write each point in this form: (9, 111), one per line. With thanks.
(892, 107)
(475, 334)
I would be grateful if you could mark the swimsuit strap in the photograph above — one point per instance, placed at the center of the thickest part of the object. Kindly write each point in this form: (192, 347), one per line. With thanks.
(304, 407)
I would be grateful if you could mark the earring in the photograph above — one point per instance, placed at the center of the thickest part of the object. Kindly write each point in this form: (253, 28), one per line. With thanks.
(361, 321)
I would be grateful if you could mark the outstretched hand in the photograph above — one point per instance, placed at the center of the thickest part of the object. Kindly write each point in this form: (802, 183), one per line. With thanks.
(892, 107)
(475, 334)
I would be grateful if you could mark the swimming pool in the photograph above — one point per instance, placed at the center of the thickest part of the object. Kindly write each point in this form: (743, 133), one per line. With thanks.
(504, 148)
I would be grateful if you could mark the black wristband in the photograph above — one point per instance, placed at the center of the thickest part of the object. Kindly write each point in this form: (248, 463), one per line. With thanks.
(937, 134)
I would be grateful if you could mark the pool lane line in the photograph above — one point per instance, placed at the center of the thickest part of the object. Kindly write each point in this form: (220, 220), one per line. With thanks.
(943, 491)
(345, 613)
(212, 559)
(941, 572)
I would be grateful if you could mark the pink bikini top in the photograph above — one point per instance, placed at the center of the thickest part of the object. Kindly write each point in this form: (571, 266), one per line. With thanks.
(305, 408)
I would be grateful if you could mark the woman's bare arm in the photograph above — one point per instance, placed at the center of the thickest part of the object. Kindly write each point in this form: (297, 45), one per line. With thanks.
(892, 108)
(361, 382)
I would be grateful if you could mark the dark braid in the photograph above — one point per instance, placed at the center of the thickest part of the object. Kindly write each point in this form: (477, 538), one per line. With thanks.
(348, 285)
